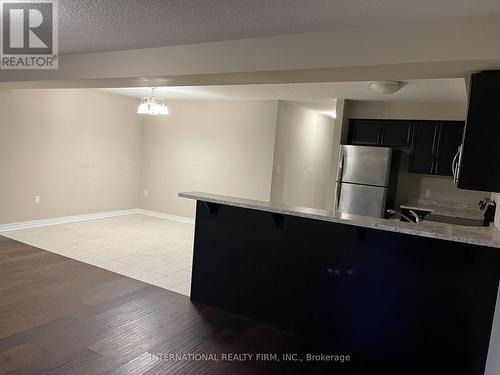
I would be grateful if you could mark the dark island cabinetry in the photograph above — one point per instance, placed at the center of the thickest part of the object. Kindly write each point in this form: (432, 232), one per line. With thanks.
(387, 299)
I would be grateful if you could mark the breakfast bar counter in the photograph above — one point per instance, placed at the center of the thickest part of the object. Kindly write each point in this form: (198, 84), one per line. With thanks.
(483, 236)
(399, 298)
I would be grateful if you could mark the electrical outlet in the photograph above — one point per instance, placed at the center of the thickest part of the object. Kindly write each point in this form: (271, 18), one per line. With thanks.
(427, 193)
(278, 169)
(146, 192)
(36, 200)
(309, 169)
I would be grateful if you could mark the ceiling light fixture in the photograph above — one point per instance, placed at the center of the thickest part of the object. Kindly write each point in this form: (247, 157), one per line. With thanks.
(386, 87)
(150, 105)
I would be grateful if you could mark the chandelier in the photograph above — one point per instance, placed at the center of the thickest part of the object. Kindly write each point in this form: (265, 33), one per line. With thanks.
(150, 105)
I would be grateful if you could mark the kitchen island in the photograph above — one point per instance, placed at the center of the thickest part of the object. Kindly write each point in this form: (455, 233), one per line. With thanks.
(397, 297)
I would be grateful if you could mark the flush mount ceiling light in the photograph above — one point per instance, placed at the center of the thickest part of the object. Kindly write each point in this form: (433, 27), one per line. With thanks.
(150, 105)
(386, 87)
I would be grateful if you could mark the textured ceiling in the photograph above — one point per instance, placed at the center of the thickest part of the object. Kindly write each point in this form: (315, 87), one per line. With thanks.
(314, 95)
(109, 25)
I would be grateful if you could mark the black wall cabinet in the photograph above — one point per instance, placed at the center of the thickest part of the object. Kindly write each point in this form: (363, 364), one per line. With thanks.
(434, 146)
(380, 133)
(396, 133)
(423, 148)
(450, 138)
(481, 148)
(433, 143)
(365, 132)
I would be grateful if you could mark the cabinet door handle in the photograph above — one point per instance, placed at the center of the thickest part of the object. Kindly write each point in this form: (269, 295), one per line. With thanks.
(459, 161)
(454, 165)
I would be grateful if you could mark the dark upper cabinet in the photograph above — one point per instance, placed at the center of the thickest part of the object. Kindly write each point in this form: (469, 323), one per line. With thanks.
(380, 132)
(365, 132)
(423, 147)
(396, 133)
(434, 146)
(481, 144)
(449, 139)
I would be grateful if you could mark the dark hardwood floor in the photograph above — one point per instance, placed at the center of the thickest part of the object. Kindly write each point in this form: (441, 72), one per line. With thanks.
(61, 316)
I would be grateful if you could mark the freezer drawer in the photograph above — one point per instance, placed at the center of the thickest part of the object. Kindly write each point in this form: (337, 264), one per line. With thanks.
(365, 165)
(361, 199)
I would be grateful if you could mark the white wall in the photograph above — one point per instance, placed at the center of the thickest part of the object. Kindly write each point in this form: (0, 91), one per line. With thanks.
(302, 157)
(78, 149)
(221, 147)
(411, 185)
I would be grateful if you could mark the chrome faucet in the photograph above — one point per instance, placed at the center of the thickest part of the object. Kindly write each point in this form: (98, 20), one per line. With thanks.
(416, 219)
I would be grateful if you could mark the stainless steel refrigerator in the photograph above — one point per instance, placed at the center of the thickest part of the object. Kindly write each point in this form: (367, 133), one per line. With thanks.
(363, 180)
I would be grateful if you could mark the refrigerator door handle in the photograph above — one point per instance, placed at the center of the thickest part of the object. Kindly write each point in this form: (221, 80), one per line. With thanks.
(337, 199)
(341, 166)
(339, 179)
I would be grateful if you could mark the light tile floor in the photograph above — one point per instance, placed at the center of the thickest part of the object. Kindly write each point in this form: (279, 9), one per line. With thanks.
(153, 250)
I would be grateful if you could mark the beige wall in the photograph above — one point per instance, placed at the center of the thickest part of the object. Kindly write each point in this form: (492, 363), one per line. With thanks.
(221, 147)
(84, 151)
(302, 157)
(78, 149)
(411, 185)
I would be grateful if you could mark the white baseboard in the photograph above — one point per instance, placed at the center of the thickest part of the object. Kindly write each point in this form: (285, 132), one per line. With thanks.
(87, 217)
(163, 215)
(65, 220)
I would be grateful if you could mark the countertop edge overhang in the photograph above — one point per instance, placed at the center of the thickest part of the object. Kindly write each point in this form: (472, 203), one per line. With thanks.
(481, 236)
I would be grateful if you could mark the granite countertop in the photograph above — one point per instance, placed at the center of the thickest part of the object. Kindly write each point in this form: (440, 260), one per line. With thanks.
(481, 236)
